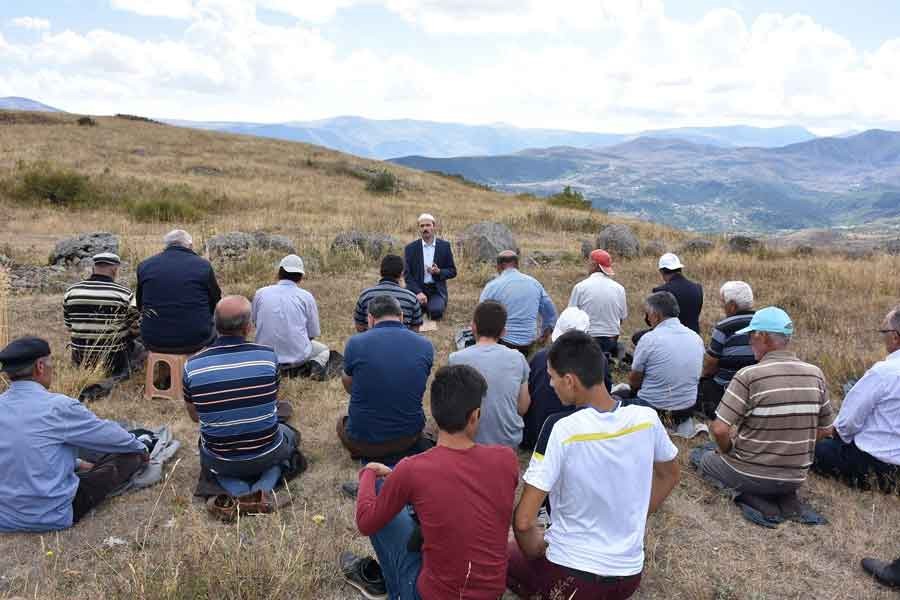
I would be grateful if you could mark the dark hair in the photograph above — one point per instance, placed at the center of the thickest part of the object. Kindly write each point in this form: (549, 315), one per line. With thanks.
(576, 352)
(383, 306)
(509, 259)
(295, 277)
(663, 303)
(490, 319)
(669, 271)
(392, 266)
(456, 391)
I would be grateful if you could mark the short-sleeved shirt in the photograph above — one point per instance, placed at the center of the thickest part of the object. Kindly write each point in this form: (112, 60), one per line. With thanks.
(603, 299)
(412, 310)
(286, 319)
(389, 365)
(671, 358)
(505, 371)
(730, 348)
(598, 470)
(776, 406)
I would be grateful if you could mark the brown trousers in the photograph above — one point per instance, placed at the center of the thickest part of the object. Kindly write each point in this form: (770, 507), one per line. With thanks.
(111, 471)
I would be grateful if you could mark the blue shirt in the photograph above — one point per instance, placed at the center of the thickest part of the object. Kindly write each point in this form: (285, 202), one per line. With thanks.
(286, 318)
(525, 299)
(671, 358)
(389, 365)
(42, 433)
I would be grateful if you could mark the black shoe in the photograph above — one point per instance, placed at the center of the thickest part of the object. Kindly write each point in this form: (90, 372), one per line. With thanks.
(350, 489)
(364, 574)
(887, 573)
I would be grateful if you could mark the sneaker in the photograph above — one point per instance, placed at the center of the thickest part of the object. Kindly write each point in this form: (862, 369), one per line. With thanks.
(363, 573)
(887, 573)
(350, 489)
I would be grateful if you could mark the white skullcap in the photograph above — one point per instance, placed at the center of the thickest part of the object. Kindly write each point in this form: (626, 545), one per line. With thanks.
(426, 217)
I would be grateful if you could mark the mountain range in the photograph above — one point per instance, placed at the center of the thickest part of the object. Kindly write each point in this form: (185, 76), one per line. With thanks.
(17, 103)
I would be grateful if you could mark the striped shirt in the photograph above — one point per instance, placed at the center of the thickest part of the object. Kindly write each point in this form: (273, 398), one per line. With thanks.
(412, 310)
(776, 406)
(233, 385)
(730, 348)
(98, 314)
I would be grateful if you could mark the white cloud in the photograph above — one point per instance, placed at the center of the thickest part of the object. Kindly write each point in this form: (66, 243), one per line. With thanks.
(173, 9)
(33, 23)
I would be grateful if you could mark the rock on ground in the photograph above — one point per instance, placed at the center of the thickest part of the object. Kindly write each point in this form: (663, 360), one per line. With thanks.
(371, 245)
(654, 248)
(696, 246)
(71, 251)
(743, 244)
(892, 247)
(483, 241)
(237, 244)
(620, 241)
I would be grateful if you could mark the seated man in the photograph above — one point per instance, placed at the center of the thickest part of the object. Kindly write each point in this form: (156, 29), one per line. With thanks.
(45, 486)
(778, 408)
(544, 400)
(392, 270)
(866, 436)
(385, 372)
(231, 390)
(605, 468)
(287, 320)
(525, 300)
(462, 493)
(506, 373)
(98, 314)
(688, 293)
(728, 352)
(667, 362)
(429, 264)
(176, 294)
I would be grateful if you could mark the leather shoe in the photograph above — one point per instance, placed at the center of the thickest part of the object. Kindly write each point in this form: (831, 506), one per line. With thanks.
(887, 573)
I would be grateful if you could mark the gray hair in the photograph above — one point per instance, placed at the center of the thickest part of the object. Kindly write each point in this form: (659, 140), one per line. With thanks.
(384, 306)
(894, 318)
(662, 303)
(23, 371)
(178, 237)
(781, 339)
(738, 292)
(232, 324)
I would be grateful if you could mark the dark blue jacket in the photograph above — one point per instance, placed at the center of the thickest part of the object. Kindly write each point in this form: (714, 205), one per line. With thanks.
(415, 266)
(176, 293)
(690, 299)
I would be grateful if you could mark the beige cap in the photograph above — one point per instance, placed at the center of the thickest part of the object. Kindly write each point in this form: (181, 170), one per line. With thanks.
(426, 217)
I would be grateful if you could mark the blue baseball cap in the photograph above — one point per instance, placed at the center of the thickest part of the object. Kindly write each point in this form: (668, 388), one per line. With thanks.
(771, 319)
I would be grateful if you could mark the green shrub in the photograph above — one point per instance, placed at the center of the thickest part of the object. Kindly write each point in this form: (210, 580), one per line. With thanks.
(384, 182)
(162, 210)
(569, 198)
(43, 181)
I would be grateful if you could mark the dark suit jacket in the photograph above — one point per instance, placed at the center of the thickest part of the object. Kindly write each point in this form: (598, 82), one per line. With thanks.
(690, 299)
(415, 266)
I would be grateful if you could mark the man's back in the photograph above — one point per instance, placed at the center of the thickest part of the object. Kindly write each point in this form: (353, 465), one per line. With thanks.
(671, 359)
(522, 296)
(412, 310)
(505, 371)
(730, 348)
(286, 317)
(389, 365)
(97, 313)
(598, 470)
(690, 299)
(870, 413)
(603, 299)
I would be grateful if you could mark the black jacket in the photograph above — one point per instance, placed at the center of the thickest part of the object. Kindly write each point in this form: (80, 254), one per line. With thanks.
(690, 299)
(415, 266)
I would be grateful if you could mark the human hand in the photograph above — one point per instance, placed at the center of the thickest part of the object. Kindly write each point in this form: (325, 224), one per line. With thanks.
(380, 469)
(434, 269)
(84, 466)
(422, 298)
(145, 457)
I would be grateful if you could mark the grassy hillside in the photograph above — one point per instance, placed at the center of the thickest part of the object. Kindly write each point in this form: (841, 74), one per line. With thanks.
(697, 546)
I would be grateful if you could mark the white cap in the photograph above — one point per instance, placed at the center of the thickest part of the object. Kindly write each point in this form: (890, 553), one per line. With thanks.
(292, 264)
(426, 217)
(670, 261)
(571, 318)
(106, 258)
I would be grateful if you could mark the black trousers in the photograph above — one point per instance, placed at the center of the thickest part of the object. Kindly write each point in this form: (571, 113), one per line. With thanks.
(609, 346)
(525, 350)
(436, 304)
(111, 471)
(710, 395)
(857, 468)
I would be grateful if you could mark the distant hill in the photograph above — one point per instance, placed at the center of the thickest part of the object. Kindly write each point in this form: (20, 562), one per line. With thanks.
(737, 135)
(17, 103)
(818, 183)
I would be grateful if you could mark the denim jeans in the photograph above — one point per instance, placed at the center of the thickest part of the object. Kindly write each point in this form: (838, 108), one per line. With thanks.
(240, 477)
(399, 566)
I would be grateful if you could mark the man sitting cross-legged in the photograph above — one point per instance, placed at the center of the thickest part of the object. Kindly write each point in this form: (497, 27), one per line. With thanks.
(462, 494)
(231, 389)
(506, 372)
(605, 467)
(44, 486)
(391, 284)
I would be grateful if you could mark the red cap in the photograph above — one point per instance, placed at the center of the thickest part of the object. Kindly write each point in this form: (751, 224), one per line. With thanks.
(602, 259)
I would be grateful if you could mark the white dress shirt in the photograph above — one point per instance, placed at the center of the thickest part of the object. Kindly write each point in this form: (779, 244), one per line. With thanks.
(870, 413)
(428, 259)
(603, 299)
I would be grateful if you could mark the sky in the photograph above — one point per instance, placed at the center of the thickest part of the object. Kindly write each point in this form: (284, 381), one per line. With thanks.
(588, 65)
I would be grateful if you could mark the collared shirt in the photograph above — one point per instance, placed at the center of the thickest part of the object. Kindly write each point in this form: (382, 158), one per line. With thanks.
(671, 358)
(603, 299)
(525, 300)
(412, 309)
(98, 313)
(870, 413)
(730, 348)
(286, 319)
(776, 406)
(42, 433)
(428, 259)
(233, 385)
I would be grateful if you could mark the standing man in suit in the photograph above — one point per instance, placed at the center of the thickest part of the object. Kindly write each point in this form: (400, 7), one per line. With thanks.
(429, 264)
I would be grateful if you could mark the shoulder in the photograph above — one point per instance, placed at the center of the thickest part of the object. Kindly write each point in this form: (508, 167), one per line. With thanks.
(412, 245)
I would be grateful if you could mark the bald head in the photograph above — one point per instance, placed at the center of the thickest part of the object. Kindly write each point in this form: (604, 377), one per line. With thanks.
(233, 316)
(507, 259)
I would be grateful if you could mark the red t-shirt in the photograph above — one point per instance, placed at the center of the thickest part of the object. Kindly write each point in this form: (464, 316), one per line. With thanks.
(464, 501)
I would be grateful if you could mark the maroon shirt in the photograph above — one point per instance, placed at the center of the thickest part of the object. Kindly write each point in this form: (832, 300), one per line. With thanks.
(464, 501)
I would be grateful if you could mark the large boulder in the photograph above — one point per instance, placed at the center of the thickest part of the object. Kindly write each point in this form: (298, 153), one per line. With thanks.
(654, 248)
(743, 244)
(72, 251)
(696, 246)
(371, 245)
(892, 247)
(237, 244)
(619, 240)
(483, 241)
(28, 279)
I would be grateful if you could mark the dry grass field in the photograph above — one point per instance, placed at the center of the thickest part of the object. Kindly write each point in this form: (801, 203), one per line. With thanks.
(698, 546)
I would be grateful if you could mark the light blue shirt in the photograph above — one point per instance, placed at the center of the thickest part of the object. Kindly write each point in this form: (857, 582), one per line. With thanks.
(671, 358)
(41, 435)
(286, 319)
(870, 413)
(428, 259)
(525, 300)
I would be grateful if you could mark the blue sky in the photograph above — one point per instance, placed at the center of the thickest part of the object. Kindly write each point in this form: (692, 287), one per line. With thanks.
(601, 65)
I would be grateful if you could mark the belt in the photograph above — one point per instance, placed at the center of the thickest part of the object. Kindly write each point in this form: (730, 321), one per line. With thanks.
(594, 578)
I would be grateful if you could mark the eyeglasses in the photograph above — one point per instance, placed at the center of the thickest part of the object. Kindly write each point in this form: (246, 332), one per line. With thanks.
(889, 331)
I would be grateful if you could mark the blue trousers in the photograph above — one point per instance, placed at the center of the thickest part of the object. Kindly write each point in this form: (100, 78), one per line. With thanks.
(856, 468)
(399, 566)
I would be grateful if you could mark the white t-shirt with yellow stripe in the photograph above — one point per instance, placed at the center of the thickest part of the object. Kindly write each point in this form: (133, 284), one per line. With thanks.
(598, 470)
